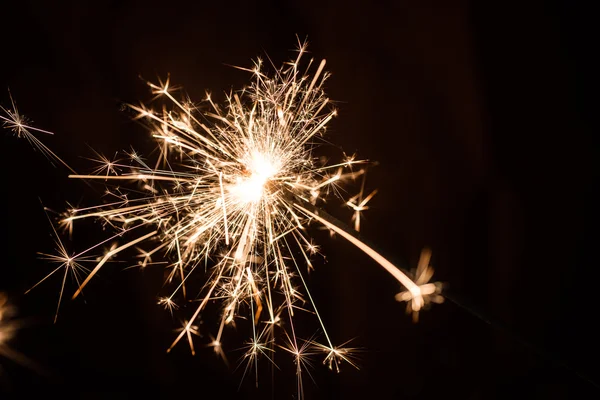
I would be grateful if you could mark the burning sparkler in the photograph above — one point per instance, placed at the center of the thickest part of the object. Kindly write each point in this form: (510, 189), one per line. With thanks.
(231, 194)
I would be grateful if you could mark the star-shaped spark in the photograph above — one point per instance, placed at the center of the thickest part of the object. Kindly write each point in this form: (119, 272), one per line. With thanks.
(71, 264)
(107, 166)
(423, 293)
(255, 349)
(17, 122)
(302, 359)
(168, 304)
(337, 355)
(189, 329)
(359, 203)
(14, 121)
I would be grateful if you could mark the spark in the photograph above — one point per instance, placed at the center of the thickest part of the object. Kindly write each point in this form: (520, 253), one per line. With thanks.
(231, 195)
(256, 349)
(359, 204)
(168, 304)
(338, 354)
(72, 264)
(22, 127)
(302, 351)
(107, 166)
(424, 292)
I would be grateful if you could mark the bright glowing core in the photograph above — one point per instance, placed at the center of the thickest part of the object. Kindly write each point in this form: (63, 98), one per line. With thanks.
(262, 168)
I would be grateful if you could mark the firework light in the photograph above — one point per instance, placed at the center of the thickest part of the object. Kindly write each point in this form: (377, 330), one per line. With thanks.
(230, 197)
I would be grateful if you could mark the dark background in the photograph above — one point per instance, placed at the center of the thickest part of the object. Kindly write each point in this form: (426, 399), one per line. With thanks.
(480, 118)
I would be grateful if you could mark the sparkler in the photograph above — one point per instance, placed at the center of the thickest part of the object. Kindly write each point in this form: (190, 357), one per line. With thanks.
(231, 194)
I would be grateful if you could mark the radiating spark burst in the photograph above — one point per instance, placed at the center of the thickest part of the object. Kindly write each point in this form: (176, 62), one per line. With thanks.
(255, 349)
(359, 203)
(20, 125)
(231, 195)
(428, 292)
(168, 304)
(337, 355)
(72, 264)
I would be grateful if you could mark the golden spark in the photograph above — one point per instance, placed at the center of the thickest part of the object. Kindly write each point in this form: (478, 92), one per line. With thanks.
(72, 264)
(427, 292)
(22, 127)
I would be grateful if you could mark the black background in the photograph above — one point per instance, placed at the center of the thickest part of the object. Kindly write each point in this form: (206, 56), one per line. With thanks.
(480, 118)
